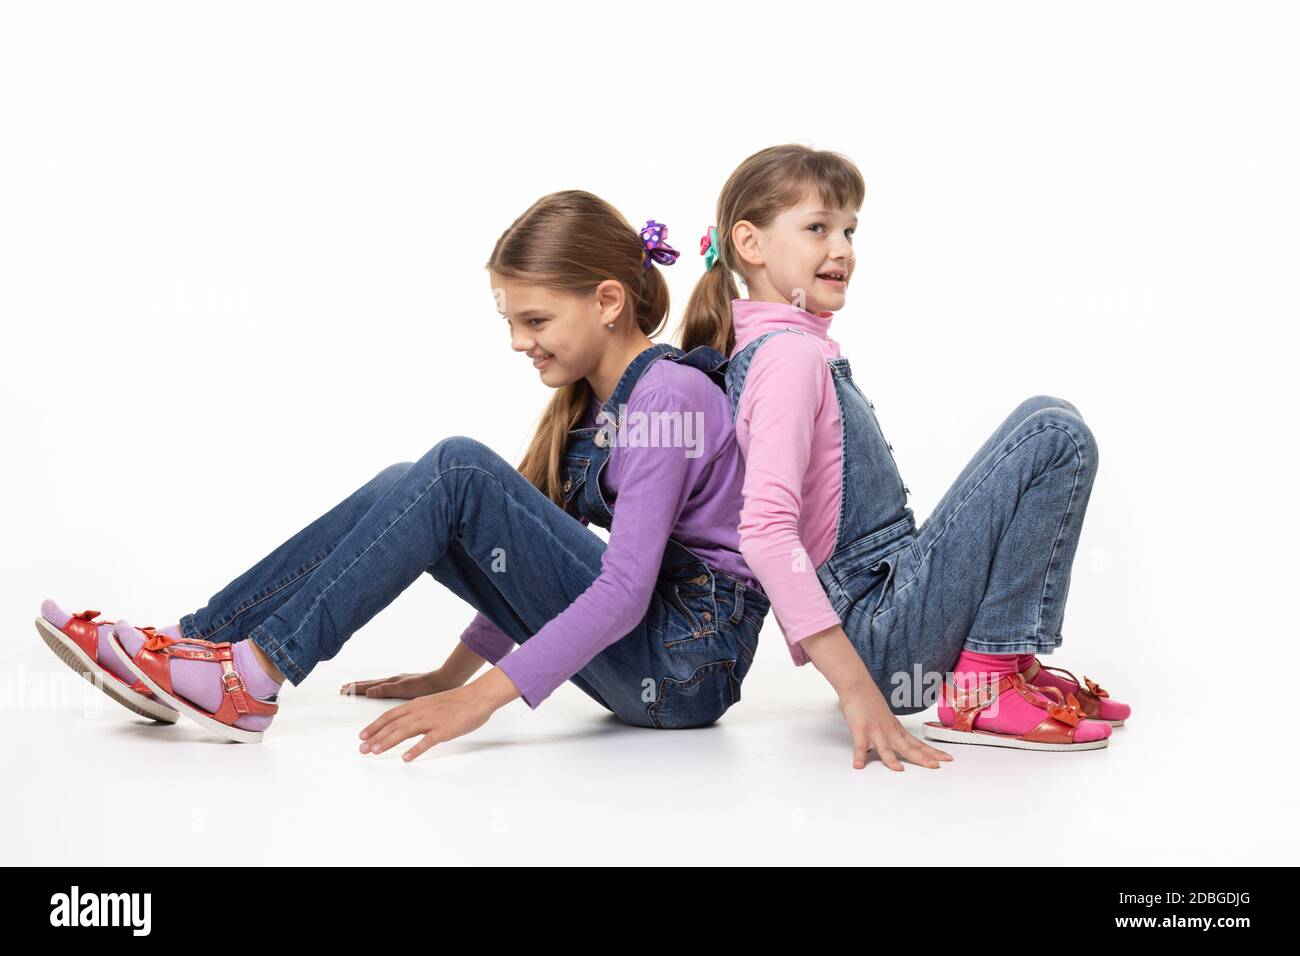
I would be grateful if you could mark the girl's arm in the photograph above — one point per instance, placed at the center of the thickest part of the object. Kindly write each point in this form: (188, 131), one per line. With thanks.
(485, 640)
(654, 484)
(871, 722)
(460, 666)
(782, 396)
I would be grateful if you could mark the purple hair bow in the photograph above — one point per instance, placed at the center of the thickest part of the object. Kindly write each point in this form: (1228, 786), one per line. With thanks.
(654, 237)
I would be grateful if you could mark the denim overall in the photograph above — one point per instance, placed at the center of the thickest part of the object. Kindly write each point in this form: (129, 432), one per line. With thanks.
(702, 623)
(876, 528)
(987, 571)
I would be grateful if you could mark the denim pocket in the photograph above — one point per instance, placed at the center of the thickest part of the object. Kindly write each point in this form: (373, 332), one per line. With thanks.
(573, 475)
(888, 566)
(697, 701)
(693, 610)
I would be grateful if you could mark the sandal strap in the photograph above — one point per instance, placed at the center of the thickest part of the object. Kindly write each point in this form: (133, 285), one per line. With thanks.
(232, 682)
(1087, 686)
(1064, 711)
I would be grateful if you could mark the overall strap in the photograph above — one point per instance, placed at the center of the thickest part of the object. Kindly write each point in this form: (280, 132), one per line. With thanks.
(738, 367)
(708, 360)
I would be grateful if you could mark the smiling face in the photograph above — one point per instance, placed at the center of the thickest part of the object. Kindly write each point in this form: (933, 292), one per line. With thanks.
(807, 247)
(560, 332)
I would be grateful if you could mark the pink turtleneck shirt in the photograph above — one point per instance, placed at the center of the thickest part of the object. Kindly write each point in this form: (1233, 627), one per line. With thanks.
(788, 428)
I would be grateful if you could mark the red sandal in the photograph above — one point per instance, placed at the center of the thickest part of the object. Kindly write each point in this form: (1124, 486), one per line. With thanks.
(1090, 696)
(152, 664)
(1056, 732)
(77, 645)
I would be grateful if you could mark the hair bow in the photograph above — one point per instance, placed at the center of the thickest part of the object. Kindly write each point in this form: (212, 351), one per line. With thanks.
(709, 248)
(654, 239)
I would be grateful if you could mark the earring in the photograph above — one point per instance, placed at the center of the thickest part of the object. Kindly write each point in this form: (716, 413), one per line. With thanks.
(610, 326)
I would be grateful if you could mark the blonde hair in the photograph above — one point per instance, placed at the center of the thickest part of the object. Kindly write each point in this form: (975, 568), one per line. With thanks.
(761, 188)
(571, 241)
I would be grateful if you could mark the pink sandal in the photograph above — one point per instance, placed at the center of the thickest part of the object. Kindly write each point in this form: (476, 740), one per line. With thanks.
(1057, 731)
(1087, 694)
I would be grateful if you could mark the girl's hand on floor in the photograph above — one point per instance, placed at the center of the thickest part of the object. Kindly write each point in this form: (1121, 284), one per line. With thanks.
(872, 723)
(438, 717)
(874, 727)
(402, 686)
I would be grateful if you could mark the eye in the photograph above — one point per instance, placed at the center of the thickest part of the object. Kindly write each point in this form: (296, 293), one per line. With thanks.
(850, 231)
(531, 321)
(817, 225)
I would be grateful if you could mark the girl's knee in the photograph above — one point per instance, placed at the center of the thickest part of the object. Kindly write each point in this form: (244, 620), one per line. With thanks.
(389, 476)
(457, 451)
(383, 482)
(1069, 425)
(1038, 402)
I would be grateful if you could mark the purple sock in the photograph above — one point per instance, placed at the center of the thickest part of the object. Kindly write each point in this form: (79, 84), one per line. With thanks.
(199, 682)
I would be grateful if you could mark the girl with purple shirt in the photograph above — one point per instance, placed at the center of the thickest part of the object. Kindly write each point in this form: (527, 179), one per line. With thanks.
(659, 625)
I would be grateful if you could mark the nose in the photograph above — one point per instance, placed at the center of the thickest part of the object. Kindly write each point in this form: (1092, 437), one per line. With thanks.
(520, 340)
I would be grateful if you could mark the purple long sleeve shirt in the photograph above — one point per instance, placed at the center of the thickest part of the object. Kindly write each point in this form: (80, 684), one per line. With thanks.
(691, 494)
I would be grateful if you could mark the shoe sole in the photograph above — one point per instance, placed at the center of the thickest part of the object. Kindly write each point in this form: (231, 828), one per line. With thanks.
(987, 738)
(66, 650)
(189, 710)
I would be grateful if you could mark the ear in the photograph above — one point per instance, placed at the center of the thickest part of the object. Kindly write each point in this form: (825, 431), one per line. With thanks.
(746, 240)
(610, 298)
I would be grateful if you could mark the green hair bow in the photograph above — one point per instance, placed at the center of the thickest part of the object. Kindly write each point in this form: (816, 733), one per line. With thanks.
(709, 248)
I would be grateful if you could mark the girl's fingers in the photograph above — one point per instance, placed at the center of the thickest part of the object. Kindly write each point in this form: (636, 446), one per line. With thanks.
(859, 755)
(936, 753)
(391, 736)
(428, 741)
(888, 756)
(916, 752)
(860, 747)
(920, 747)
(382, 721)
(412, 725)
(361, 686)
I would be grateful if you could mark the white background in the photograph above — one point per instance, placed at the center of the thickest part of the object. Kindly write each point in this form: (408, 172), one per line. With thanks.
(241, 251)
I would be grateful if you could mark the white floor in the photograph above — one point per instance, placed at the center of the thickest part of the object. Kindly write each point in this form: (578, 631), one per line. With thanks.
(89, 783)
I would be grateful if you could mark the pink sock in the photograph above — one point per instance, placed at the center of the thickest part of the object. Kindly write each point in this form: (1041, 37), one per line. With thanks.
(1110, 709)
(1009, 713)
(199, 682)
(105, 653)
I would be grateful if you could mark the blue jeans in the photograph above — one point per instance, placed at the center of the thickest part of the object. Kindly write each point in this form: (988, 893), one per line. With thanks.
(989, 569)
(454, 514)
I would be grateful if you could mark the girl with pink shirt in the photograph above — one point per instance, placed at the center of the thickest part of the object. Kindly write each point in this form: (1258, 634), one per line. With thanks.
(889, 612)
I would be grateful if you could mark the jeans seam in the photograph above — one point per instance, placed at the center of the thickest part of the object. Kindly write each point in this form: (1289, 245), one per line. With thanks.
(278, 654)
(1074, 487)
(266, 597)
